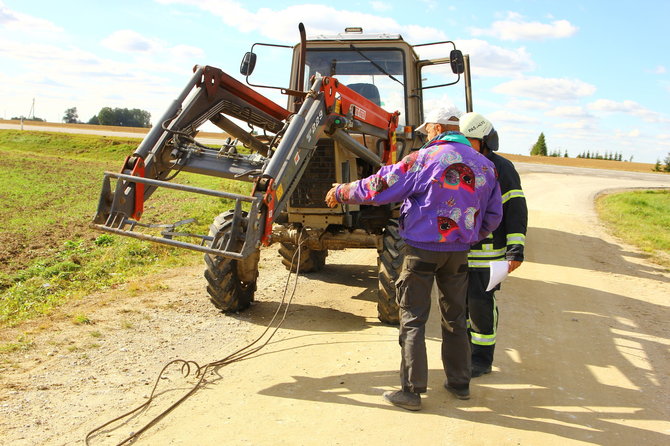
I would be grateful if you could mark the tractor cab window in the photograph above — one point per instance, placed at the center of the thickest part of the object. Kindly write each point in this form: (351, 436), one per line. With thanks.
(378, 75)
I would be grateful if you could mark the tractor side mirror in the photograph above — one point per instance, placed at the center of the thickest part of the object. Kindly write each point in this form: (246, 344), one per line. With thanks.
(248, 64)
(457, 62)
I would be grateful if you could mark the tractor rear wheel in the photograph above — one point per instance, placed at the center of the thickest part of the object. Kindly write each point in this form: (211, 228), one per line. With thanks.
(231, 283)
(390, 264)
(311, 260)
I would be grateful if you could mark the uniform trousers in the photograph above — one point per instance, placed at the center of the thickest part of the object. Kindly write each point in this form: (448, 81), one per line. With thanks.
(483, 317)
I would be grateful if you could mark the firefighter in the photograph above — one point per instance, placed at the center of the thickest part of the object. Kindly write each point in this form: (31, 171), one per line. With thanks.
(505, 243)
(450, 200)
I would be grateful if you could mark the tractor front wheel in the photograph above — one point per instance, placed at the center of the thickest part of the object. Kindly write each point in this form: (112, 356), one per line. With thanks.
(390, 264)
(231, 283)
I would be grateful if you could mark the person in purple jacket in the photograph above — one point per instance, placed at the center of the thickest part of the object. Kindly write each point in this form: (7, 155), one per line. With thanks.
(450, 201)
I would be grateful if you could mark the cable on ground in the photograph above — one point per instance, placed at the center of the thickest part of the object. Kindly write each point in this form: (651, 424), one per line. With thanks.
(187, 367)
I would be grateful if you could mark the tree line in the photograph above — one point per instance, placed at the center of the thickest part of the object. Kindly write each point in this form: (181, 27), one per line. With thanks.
(664, 167)
(540, 149)
(123, 117)
(598, 156)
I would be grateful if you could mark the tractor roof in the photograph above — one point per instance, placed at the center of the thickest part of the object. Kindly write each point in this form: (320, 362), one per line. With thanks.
(356, 36)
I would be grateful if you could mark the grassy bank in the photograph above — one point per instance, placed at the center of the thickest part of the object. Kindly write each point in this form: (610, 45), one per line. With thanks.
(641, 218)
(50, 188)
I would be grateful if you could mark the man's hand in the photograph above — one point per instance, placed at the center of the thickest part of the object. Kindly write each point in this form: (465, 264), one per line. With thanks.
(513, 264)
(331, 201)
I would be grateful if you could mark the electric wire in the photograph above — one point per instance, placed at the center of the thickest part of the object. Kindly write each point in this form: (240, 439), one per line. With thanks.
(202, 371)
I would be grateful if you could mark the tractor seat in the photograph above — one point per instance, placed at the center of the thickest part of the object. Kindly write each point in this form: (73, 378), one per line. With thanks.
(369, 91)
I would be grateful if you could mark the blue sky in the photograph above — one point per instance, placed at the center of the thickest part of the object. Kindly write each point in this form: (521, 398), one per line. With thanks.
(591, 75)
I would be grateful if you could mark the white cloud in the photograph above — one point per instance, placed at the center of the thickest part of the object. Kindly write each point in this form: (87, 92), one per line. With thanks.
(570, 112)
(628, 107)
(507, 130)
(318, 20)
(659, 70)
(581, 125)
(546, 88)
(69, 76)
(128, 41)
(493, 61)
(46, 54)
(380, 6)
(505, 116)
(527, 105)
(515, 28)
(18, 21)
(432, 5)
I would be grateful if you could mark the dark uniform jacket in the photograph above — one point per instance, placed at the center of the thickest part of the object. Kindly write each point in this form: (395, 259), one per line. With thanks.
(508, 240)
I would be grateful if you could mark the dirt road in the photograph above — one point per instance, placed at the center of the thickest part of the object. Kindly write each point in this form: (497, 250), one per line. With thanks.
(582, 355)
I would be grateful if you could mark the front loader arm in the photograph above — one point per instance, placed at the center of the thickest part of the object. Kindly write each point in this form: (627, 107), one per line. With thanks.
(275, 168)
(170, 145)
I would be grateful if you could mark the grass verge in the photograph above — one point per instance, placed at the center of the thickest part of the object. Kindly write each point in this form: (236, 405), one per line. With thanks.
(641, 218)
(50, 188)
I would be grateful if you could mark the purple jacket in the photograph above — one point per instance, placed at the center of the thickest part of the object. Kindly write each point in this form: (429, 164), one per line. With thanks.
(449, 192)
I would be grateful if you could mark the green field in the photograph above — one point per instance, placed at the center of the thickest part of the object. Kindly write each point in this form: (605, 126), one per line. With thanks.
(49, 189)
(641, 218)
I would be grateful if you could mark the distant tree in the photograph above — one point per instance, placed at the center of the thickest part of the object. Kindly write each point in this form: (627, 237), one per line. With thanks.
(94, 120)
(106, 116)
(71, 116)
(566, 154)
(588, 154)
(540, 147)
(124, 117)
(657, 166)
(23, 118)
(666, 168)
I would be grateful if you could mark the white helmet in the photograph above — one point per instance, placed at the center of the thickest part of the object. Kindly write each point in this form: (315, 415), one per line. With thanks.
(474, 125)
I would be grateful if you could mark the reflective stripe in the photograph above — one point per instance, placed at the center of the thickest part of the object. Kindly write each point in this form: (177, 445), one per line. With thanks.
(482, 339)
(514, 193)
(516, 239)
(487, 253)
(482, 263)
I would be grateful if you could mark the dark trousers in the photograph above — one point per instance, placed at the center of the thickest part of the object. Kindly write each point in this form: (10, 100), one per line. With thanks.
(482, 317)
(421, 268)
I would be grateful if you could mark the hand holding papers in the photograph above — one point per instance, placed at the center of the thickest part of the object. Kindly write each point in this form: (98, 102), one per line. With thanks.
(499, 271)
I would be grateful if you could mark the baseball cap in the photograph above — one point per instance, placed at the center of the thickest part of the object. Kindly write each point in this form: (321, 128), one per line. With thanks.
(442, 115)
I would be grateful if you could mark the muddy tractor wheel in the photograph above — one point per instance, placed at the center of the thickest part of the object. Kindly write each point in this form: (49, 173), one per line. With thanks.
(311, 260)
(390, 263)
(231, 284)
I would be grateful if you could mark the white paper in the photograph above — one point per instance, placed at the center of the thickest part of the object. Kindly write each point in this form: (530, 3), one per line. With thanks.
(499, 271)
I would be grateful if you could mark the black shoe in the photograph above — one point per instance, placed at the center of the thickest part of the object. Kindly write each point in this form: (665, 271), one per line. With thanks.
(406, 400)
(479, 370)
(461, 394)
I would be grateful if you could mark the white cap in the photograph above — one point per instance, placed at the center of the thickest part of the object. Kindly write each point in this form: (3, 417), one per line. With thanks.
(443, 115)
